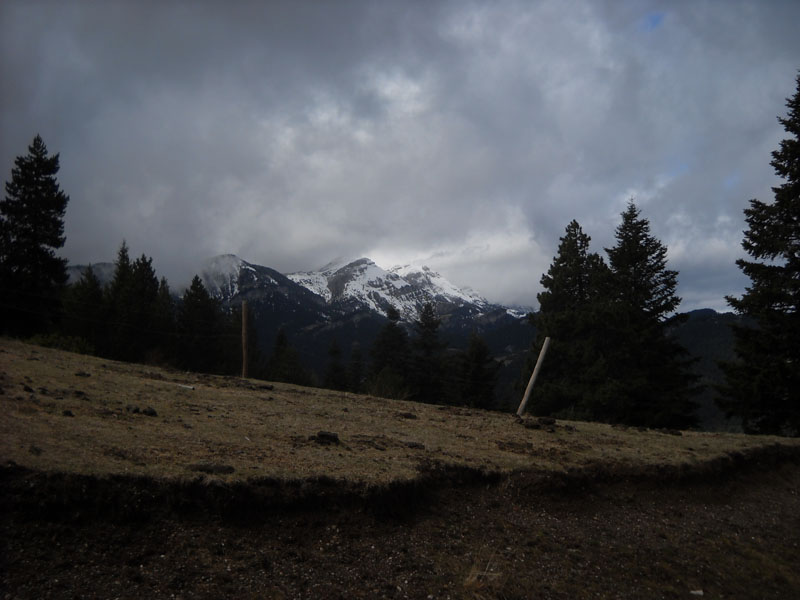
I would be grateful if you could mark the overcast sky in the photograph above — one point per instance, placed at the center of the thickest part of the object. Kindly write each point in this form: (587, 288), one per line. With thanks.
(463, 135)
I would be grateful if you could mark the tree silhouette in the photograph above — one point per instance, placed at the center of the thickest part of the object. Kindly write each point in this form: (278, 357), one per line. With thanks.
(389, 360)
(573, 313)
(763, 387)
(32, 277)
(648, 372)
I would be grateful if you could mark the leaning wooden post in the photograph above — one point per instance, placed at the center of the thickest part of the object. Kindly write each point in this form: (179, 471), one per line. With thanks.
(244, 338)
(539, 361)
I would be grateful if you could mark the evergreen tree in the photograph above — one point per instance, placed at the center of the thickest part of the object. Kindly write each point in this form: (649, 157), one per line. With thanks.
(572, 309)
(118, 300)
(132, 309)
(284, 364)
(83, 310)
(427, 370)
(355, 370)
(476, 375)
(32, 277)
(200, 328)
(335, 373)
(389, 360)
(763, 387)
(649, 373)
(163, 323)
(142, 334)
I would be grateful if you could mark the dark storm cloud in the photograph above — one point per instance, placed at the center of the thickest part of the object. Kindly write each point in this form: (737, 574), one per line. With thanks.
(464, 134)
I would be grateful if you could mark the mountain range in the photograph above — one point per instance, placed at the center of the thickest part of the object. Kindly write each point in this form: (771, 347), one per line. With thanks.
(347, 301)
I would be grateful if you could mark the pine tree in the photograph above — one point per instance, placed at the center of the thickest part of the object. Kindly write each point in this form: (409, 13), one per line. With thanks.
(132, 300)
(572, 309)
(32, 277)
(335, 373)
(355, 370)
(200, 329)
(763, 387)
(83, 310)
(476, 375)
(284, 363)
(389, 360)
(427, 367)
(163, 323)
(649, 373)
(118, 299)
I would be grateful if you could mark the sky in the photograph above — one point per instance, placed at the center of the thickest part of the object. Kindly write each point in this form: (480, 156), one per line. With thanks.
(461, 135)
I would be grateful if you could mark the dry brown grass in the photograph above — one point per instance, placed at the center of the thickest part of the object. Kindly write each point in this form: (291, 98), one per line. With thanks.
(266, 433)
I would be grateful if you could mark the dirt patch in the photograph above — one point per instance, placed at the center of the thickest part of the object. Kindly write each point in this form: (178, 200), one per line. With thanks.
(448, 534)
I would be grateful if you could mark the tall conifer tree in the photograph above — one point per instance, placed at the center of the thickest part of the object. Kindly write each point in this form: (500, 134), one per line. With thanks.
(763, 387)
(649, 371)
(390, 360)
(427, 372)
(32, 277)
(571, 314)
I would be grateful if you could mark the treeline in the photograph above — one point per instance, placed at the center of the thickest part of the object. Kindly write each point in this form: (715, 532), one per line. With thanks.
(418, 366)
(136, 318)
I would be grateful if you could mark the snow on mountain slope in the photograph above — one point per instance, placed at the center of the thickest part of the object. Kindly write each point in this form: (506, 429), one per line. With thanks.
(364, 284)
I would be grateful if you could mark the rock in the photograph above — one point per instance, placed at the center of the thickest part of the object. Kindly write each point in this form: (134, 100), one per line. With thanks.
(68, 413)
(35, 450)
(82, 374)
(415, 445)
(150, 412)
(546, 421)
(132, 408)
(326, 437)
(407, 415)
(28, 389)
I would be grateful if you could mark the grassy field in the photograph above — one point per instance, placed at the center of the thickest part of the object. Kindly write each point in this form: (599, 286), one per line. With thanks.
(483, 505)
(254, 430)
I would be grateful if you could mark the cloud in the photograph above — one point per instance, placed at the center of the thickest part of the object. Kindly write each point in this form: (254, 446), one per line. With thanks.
(467, 134)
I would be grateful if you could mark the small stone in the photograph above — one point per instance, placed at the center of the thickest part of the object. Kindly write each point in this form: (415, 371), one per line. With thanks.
(150, 412)
(68, 413)
(82, 374)
(326, 437)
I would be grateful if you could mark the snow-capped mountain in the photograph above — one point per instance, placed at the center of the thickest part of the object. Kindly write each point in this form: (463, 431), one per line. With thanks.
(361, 284)
(232, 280)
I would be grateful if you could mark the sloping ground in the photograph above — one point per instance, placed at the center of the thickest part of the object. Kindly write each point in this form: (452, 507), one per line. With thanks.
(130, 481)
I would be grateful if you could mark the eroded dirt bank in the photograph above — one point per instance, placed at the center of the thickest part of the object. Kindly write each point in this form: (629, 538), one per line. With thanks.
(729, 529)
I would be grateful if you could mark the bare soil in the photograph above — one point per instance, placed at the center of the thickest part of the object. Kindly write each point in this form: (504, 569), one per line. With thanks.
(111, 503)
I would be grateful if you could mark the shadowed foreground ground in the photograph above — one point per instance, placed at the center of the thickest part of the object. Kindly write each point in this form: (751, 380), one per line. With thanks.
(734, 536)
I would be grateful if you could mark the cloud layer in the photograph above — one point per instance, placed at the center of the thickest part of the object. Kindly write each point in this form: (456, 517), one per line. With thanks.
(463, 135)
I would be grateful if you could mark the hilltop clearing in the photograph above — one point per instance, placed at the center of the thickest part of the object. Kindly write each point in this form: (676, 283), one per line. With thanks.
(124, 480)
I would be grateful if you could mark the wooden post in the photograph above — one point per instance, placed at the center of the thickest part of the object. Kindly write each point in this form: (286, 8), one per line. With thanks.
(539, 361)
(244, 338)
